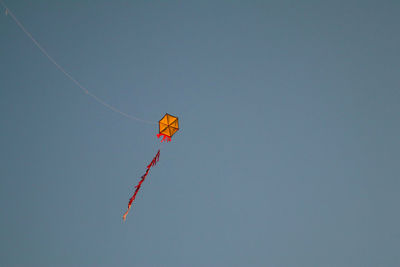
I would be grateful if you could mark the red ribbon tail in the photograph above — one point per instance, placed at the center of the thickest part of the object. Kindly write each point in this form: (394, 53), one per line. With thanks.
(166, 138)
(137, 187)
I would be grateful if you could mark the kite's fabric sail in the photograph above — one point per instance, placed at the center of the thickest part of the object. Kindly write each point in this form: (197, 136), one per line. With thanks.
(168, 126)
(152, 163)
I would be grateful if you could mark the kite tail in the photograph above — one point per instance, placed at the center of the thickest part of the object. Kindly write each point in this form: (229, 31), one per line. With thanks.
(165, 137)
(137, 187)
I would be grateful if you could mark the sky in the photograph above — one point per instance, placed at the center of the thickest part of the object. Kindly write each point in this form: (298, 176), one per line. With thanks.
(287, 153)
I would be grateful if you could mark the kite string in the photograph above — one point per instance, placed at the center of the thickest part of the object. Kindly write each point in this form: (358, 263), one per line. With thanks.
(52, 60)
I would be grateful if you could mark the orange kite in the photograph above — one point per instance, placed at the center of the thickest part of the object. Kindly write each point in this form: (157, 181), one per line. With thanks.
(168, 126)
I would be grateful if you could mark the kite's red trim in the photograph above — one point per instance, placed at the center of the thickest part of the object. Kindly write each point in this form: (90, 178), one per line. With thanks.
(152, 163)
(165, 137)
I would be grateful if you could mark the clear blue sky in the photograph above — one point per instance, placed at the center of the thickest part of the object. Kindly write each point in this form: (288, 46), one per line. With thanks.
(288, 153)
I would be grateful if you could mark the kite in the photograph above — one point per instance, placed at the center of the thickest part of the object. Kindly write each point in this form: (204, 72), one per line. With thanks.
(168, 126)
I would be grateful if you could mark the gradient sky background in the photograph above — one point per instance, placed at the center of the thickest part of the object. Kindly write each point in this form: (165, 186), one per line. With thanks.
(288, 153)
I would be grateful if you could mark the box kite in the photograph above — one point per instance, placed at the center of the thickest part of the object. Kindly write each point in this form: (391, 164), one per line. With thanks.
(168, 126)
